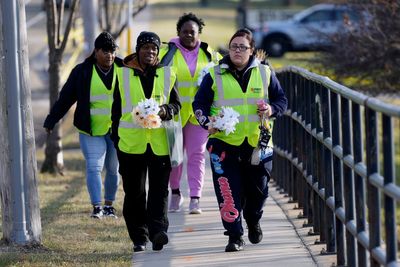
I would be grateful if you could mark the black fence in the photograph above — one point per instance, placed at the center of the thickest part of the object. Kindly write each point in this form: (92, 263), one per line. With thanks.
(335, 154)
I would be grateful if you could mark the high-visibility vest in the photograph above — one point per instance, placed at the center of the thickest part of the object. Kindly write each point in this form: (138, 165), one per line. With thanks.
(187, 85)
(228, 93)
(133, 139)
(100, 104)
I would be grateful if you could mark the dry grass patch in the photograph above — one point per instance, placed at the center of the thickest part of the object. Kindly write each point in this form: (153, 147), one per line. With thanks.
(69, 236)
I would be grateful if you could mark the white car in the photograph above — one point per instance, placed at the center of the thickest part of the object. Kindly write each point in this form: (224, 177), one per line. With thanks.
(303, 30)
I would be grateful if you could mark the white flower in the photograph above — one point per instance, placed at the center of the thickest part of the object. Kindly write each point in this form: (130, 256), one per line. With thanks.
(145, 114)
(225, 120)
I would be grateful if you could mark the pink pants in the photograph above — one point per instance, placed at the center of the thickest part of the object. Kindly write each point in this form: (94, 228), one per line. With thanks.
(194, 142)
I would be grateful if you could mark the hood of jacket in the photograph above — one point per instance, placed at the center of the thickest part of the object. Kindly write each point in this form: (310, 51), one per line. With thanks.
(132, 61)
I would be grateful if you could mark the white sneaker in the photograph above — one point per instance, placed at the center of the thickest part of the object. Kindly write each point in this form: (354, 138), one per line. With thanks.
(97, 212)
(194, 206)
(175, 203)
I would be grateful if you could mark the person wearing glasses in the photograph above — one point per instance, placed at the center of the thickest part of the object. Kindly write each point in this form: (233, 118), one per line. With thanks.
(91, 85)
(241, 81)
(189, 56)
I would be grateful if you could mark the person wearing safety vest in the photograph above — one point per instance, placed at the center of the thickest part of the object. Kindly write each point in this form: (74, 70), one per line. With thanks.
(142, 151)
(239, 81)
(91, 85)
(189, 56)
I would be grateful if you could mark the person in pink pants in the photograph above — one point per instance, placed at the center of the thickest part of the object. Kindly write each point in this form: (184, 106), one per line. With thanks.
(190, 57)
(194, 142)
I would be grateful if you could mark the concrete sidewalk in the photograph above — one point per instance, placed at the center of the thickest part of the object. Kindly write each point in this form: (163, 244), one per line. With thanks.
(198, 240)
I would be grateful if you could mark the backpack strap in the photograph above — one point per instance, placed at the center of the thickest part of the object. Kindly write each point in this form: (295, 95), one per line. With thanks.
(167, 59)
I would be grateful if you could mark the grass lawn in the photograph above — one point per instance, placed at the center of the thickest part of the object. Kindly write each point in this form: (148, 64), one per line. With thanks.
(70, 236)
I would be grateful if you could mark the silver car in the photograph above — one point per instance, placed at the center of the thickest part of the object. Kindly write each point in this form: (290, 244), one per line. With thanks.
(303, 30)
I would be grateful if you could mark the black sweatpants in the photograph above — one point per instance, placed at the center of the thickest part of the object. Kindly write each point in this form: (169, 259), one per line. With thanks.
(239, 186)
(145, 214)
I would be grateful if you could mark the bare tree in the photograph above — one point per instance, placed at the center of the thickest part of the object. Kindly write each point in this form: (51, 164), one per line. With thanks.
(368, 50)
(112, 16)
(57, 41)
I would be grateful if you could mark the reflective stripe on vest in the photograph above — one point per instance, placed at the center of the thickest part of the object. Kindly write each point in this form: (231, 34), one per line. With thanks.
(100, 104)
(133, 139)
(187, 84)
(234, 102)
(227, 92)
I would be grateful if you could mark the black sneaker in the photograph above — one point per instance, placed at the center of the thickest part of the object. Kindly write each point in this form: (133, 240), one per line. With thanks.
(255, 233)
(97, 212)
(234, 244)
(159, 240)
(109, 211)
(139, 246)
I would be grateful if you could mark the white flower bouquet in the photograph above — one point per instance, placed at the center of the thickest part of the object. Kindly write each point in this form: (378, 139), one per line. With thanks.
(225, 120)
(145, 114)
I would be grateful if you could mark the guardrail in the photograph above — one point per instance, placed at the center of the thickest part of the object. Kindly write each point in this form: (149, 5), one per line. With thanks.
(335, 156)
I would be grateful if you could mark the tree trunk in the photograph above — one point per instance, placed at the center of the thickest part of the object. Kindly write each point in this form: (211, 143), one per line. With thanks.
(27, 229)
(54, 162)
(5, 185)
(57, 41)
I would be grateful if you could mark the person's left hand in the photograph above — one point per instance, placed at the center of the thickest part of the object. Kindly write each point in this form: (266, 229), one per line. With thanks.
(211, 129)
(265, 110)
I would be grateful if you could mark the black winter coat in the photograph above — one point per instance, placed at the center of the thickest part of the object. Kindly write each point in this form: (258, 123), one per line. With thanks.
(76, 89)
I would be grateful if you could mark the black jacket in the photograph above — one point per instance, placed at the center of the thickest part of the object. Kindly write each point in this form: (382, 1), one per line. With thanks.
(76, 89)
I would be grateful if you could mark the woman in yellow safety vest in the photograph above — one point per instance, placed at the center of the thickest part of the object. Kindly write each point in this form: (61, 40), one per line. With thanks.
(189, 56)
(143, 151)
(91, 85)
(240, 81)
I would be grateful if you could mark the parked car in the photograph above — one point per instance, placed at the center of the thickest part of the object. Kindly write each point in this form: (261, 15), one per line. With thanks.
(303, 30)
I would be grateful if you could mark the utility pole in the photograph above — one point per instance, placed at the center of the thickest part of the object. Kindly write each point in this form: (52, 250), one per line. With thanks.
(129, 33)
(90, 23)
(18, 184)
(242, 11)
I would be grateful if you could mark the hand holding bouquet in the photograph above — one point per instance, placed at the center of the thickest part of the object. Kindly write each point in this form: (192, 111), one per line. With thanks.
(145, 114)
(225, 120)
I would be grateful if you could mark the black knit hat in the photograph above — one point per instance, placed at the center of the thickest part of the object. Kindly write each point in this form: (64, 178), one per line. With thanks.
(105, 41)
(147, 37)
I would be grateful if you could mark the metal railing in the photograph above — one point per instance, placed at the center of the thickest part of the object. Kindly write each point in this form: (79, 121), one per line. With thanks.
(335, 156)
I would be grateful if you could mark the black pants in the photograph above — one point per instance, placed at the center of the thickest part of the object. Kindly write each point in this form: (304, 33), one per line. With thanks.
(239, 186)
(145, 214)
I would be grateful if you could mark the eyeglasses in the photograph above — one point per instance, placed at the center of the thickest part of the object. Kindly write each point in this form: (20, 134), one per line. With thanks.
(241, 48)
(113, 53)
